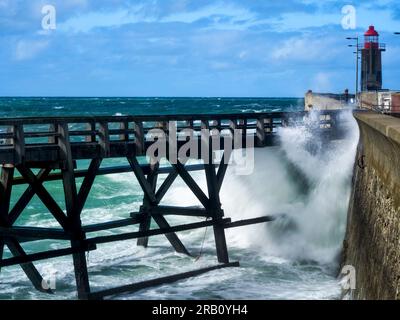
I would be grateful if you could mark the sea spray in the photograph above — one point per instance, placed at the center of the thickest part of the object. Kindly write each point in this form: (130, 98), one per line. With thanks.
(306, 182)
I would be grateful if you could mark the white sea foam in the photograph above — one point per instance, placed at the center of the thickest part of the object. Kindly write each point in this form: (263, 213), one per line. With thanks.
(315, 205)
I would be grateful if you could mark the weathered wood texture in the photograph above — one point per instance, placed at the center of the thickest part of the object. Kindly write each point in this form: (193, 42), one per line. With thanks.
(34, 140)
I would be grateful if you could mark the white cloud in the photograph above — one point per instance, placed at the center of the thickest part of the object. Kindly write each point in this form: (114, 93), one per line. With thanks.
(366, 14)
(234, 13)
(305, 48)
(28, 49)
(91, 20)
(4, 3)
(221, 16)
(289, 22)
(8, 7)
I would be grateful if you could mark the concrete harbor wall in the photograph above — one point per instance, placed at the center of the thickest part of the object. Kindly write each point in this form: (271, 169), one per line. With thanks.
(326, 101)
(372, 243)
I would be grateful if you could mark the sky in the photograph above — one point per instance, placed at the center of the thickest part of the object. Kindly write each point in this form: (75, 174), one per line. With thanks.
(218, 48)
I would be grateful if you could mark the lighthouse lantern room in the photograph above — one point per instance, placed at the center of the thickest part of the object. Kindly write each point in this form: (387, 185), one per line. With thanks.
(371, 61)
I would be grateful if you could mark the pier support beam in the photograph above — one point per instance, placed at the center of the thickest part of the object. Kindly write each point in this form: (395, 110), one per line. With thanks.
(130, 288)
(216, 213)
(151, 200)
(5, 198)
(73, 213)
(172, 237)
(147, 204)
(7, 175)
(1, 250)
(31, 272)
(26, 197)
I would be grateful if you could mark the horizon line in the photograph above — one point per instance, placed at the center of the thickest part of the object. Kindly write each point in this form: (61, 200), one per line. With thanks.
(158, 97)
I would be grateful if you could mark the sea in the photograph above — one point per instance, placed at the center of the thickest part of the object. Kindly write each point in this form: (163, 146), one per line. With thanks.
(296, 256)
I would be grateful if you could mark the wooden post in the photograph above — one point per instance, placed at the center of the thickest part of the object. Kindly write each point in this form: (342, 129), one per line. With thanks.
(124, 126)
(71, 202)
(7, 174)
(260, 135)
(1, 250)
(19, 144)
(9, 141)
(104, 139)
(91, 126)
(215, 209)
(53, 130)
(269, 125)
(147, 204)
(139, 138)
(232, 126)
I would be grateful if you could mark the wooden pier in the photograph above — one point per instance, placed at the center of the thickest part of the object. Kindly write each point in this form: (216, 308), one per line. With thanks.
(36, 150)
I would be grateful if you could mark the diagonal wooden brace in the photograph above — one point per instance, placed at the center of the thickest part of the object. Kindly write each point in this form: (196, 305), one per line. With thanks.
(145, 224)
(30, 270)
(26, 197)
(191, 183)
(144, 184)
(172, 237)
(45, 196)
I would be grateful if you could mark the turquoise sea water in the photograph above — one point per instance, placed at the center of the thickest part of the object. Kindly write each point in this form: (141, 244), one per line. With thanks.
(292, 258)
(15, 107)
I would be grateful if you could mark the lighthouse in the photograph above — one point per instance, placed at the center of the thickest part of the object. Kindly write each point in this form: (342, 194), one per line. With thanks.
(371, 61)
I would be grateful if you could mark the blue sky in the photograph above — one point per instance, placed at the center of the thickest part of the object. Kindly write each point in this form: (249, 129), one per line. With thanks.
(188, 47)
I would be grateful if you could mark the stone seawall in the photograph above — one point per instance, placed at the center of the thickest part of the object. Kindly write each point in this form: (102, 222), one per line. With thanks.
(372, 243)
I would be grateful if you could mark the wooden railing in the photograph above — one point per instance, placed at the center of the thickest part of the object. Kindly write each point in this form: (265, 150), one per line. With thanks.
(38, 139)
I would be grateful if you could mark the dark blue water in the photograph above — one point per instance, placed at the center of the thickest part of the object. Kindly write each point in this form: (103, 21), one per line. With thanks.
(16, 107)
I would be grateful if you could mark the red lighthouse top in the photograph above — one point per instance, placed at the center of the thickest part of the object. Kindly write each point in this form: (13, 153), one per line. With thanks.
(371, 32)
(371, 38)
